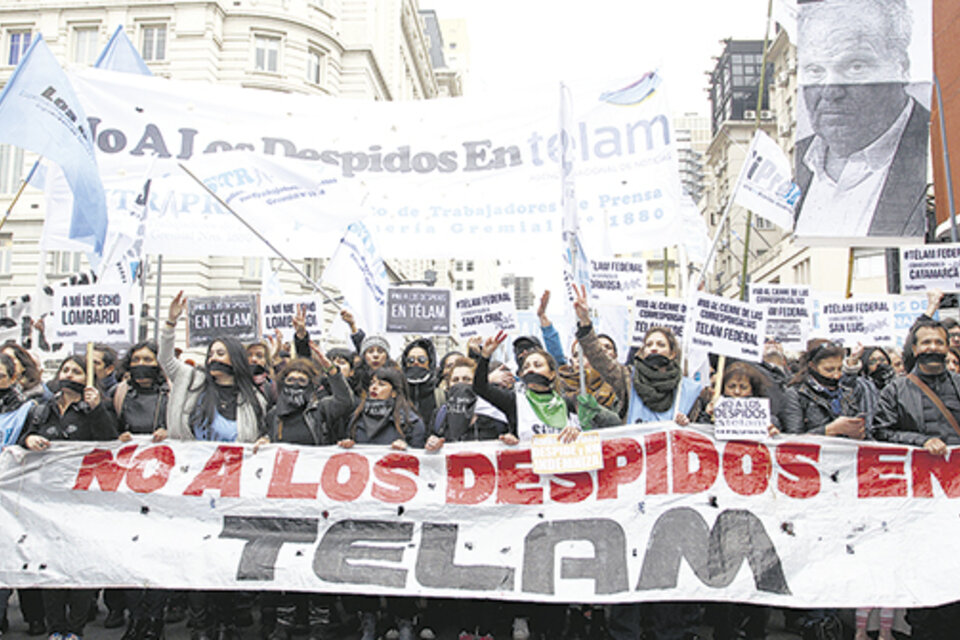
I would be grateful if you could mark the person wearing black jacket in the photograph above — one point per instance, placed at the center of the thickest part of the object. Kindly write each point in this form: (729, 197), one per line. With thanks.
(140, 404)
(75, 413)
(419, 367)
(300, 417)
(830, 406)
(465, 416)
(907, 415)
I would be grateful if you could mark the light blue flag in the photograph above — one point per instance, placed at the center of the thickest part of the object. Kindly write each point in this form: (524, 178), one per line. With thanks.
(121, 55)
(40, 112)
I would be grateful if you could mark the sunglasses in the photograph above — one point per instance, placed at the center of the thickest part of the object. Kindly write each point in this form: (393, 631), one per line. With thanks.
(417, 360)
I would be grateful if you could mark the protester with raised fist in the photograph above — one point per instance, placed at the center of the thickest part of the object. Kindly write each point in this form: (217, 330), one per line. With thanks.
(217, 403)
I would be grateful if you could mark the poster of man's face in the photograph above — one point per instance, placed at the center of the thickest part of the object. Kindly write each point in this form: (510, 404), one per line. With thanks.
(864, 71)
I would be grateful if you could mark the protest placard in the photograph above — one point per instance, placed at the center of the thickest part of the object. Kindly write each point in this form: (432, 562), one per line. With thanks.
(726, 327)
(656, 312)
(486, 314)
(412, 310)
(278, 312)
(616, 281)
(741, 418)
(788, 311)
(863, 320)
(90, 313)
(935, 266)
(209, 318)
(552, 456)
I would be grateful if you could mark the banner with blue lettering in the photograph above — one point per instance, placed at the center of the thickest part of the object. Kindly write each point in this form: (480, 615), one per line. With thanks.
(673, 514)
(452, 176)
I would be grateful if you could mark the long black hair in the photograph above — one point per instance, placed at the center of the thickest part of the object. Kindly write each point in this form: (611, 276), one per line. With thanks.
(403, 410)
(242, 379)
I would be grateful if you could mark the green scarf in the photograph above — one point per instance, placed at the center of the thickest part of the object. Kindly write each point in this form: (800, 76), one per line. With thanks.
(549, 407)
(656, 386)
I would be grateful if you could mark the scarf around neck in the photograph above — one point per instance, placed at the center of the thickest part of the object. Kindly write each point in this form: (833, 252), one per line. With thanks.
(655, 386)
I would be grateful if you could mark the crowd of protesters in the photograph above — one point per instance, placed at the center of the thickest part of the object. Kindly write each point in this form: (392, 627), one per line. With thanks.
(301, 395)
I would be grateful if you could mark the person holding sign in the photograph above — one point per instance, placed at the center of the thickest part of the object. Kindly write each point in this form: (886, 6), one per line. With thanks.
(652, 385)
(740, 380)
(218, 403)
(75, 413)
(829, 406)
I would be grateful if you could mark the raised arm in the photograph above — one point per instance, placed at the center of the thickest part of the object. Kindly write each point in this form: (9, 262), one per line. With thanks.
(168, 361)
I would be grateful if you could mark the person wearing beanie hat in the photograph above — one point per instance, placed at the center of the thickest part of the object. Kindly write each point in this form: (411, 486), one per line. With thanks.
(375, 341)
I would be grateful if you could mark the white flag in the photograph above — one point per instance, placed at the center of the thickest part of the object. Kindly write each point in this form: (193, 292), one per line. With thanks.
(765, 185)
(357, 269)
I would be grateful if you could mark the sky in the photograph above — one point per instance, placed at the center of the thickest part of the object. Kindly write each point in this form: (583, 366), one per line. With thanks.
(528, 43)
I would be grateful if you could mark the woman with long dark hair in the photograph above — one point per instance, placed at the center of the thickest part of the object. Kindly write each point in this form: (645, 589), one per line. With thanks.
(76, 413)
(28, 372)
(218, 403)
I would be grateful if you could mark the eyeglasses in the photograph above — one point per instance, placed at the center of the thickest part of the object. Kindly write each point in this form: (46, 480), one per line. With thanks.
(417, 360)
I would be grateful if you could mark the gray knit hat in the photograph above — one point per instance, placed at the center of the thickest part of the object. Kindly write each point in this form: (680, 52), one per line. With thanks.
(374, 341)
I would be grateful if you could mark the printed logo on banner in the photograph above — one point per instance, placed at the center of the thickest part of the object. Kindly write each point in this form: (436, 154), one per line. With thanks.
(486, 314)
(423, 311)
(930, 267)
(91, 313)
(209, 318)
(657, 312)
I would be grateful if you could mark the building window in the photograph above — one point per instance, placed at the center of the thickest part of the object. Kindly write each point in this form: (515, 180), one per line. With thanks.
(458, 265)
(469, 265)
(11, 168)
(469, 285)
(19, 43)
(869, 263)
(314, 66)
(313, 267)
(6, 254)
(153, 42)
(252, 268)
(266, 53)
(762, 223)
(459, 285)
(63, 263)
(801, 272)
(85, 41)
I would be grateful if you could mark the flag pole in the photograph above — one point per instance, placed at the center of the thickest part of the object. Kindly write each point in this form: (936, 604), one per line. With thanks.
(236, 215)
(23, 185)
(756, 126)
(571, 226)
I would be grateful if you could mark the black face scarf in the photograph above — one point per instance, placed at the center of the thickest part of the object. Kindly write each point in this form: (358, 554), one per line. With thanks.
(258, 369)
(932, 358)
(10, 399)
(377, 416)
(293, 398)
(536, 378)
(883, 374)
(216, 365)
(461, 402)
(828, 383)
(416, 375)
(656, 361)
(72, 385)
(145, 372)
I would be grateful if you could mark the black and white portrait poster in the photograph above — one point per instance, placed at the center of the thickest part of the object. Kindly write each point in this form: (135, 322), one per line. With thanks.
(864, 70)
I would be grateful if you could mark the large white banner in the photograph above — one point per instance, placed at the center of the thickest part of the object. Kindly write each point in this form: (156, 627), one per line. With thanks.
(447, 177)
(672, 515)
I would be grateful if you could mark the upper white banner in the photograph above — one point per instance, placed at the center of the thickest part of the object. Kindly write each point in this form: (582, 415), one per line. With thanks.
(439, 177)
